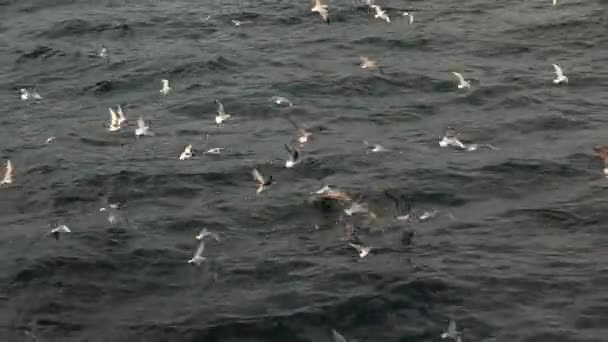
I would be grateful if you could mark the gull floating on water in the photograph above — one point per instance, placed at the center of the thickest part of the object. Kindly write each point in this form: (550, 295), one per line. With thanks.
(166, 88)
(187, 154)
(103, 53)
(198, 257)
(215, 150)
(462, 83)
(260, 180)
(374, 147)
(294, 155)
(451, 139)
(31, 94)
(362, 250)
(205, 232)
(281, 101)
(321, 7)
(8, 174)
(451, 333)
(559, 75)
(59, 229)
(142, 128)
(380, 13)
(367, 63)
(50, 140)
(221, 115)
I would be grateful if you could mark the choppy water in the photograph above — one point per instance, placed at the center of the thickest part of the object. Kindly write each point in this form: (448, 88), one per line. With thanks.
(517, 251)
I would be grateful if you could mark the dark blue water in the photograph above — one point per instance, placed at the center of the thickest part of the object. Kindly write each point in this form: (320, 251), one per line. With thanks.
(518, 249)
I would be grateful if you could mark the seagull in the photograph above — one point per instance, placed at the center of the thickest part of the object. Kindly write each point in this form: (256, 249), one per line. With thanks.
(8, 174)
(380, 13)
(103, 53)
(166, 88)
(50, 140)
(427, 215)
(367, 63)
(602, 152)
(303, 134)
(215, 150)
(122, 118)
(260, 180)
(115, 122)
(451, 333)
(293, 156)
(559, 75)
(221, 114)
(281, 101)
(451, 139)
(238, 23)
(197, 259)
(475, 147)
(374, 147)
(187, 154)
(29, 94)
(362, 250)
(59, 229)
(330, 194)
(337, 336)
(204, 233)
(142, 128)
(411, 15)
(321, 7)
(462, 83)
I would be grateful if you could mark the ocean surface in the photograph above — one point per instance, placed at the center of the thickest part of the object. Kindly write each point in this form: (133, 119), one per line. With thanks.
(517, 249)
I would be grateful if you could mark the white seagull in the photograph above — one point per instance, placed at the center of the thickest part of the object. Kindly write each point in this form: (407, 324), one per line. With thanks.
(462, 83)
(221, 115)
(451, 140)
(142, 128)
(368, 63)
(116, 120)
(29, 94)
(362, 250)
(187, 154)
(451, 333)
(321, 7)
(380, 13)
(294, 155)
(59, 229)
(104, 52)
(8, 174)
(260, 180)
(281, 101)
(374, 147)
(204, 233)
(198, 257)
(559, 75)
(166, 88)
(215, 150)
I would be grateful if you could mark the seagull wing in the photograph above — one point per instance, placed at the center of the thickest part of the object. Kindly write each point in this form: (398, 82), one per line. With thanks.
(220, 108)
(121, 114)
(459, 77)
(452, 328)
(140, 123)
(558, 70)
(257, 176)
(355, 246)
(337, 336)
(199, 249)
(114, 116)
(9, 172)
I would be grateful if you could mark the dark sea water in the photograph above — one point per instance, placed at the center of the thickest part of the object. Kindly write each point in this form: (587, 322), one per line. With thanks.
(518, 250)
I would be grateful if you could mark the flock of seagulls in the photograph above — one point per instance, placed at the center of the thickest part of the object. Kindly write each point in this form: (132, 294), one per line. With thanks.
(119, 121)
